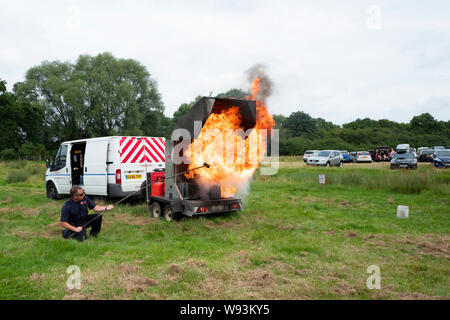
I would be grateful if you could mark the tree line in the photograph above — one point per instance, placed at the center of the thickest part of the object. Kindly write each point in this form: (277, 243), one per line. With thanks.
(103, 95)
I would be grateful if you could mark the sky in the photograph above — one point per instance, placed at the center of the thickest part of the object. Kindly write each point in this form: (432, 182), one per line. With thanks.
(337, 60)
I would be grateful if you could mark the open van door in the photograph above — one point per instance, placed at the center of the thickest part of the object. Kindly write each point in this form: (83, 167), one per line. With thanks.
(95, 174)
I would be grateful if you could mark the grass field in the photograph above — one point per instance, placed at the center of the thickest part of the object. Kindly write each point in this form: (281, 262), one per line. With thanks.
(295, 239)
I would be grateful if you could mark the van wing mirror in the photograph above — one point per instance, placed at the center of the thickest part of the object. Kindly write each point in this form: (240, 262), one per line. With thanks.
(47, 163)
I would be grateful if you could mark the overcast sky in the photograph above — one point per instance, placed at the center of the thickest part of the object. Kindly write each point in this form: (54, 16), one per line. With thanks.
(338, 60)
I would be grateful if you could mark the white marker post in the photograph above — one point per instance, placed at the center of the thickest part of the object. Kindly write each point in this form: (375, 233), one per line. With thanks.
(322, 180)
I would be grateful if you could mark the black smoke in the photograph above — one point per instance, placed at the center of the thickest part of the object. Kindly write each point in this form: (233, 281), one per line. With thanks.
(266, 84)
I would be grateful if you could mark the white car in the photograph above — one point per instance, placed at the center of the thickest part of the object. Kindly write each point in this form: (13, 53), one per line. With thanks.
(308, 154)
(363, 156)
(327, 158)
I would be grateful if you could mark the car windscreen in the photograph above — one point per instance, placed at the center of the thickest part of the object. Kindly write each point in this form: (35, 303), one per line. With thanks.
(364, 154)
(443, 154)
(323, 154)
(426, 151)
(407, 155)
(309, 152)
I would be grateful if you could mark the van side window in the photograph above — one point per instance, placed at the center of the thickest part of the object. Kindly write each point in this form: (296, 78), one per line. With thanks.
(60, 159)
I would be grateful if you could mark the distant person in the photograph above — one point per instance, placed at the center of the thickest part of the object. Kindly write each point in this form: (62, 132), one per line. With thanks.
(74, 215)
(392, 153)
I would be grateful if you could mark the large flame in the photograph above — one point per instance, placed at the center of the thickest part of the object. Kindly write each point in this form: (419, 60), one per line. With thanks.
(233, 157)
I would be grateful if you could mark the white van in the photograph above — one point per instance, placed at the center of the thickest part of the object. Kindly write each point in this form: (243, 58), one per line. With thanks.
(108, 166)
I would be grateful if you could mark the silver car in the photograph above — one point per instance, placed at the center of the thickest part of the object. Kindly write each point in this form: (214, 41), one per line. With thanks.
(327, 158)
(308, 154)
(363, 156)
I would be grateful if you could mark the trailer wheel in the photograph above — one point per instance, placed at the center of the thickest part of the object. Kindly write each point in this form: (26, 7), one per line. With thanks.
(156, 210)
(168, 213)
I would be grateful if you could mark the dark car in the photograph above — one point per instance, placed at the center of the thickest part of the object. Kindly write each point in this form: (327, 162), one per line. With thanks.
(441, 158)
(346, 155)
(404, 160)
(425, 155)
(382, 154)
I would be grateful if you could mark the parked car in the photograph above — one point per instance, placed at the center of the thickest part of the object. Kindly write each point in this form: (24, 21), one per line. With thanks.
(402, 148)
(439, 148)
(404, 160)
(425, 155)
(363, 156)
(327, 158)
(308, 154)
(441, 158)
(382, 154)
(346, 156)
(421, 148)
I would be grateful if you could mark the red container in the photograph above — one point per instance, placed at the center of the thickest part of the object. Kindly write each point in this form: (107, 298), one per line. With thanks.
(158, 187)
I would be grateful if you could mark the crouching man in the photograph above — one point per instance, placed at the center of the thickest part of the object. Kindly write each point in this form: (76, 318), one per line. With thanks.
(75, 218)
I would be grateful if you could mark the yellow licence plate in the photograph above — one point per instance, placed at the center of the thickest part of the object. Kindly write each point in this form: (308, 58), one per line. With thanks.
(134, 176)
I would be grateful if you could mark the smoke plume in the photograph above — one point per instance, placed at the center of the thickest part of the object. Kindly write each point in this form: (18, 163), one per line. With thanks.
(266, 85)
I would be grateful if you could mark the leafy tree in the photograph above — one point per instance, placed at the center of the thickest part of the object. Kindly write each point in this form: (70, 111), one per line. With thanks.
(96, 96)
(300, 123)
(234, 93)
(21, 120)
(425, 123)
(183, 109)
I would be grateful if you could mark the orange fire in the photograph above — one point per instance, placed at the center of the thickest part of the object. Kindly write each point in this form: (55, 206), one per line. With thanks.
(233, 155)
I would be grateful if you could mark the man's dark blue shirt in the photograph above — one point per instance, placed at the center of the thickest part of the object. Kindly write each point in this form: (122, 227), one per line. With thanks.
(74, 212)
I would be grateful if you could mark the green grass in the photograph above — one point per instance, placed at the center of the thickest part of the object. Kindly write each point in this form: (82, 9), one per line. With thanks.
(295, 239)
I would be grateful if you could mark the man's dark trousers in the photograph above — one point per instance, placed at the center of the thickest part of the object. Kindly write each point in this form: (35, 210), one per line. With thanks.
(93, 221)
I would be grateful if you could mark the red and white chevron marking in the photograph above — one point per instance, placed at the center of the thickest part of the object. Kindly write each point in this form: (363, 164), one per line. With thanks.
(142, 149)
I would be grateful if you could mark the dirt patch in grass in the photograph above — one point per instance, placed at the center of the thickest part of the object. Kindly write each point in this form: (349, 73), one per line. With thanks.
(242, 256)
(293, 199)
(26, 211)
(8, 200)
(429, 244)
(30, 211)
(126, 277)
(134, 220)
(75, 296)
(310, 198)
(344, 289)
(329, 233)
(351, 234)
(417, 296)
(437, 249)
(344, 203)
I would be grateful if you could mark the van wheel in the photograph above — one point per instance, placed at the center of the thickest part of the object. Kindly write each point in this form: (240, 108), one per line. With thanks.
(341, 164)
(52, 192)
(156, 210)
(328, 164)
(168, 213)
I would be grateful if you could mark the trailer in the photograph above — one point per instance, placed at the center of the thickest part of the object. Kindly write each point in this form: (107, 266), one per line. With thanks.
(169, 193)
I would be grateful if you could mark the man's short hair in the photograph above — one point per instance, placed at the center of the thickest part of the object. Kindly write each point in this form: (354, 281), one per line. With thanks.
(74, 190)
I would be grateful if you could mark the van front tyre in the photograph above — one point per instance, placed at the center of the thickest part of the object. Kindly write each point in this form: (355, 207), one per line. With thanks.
(52, 192)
